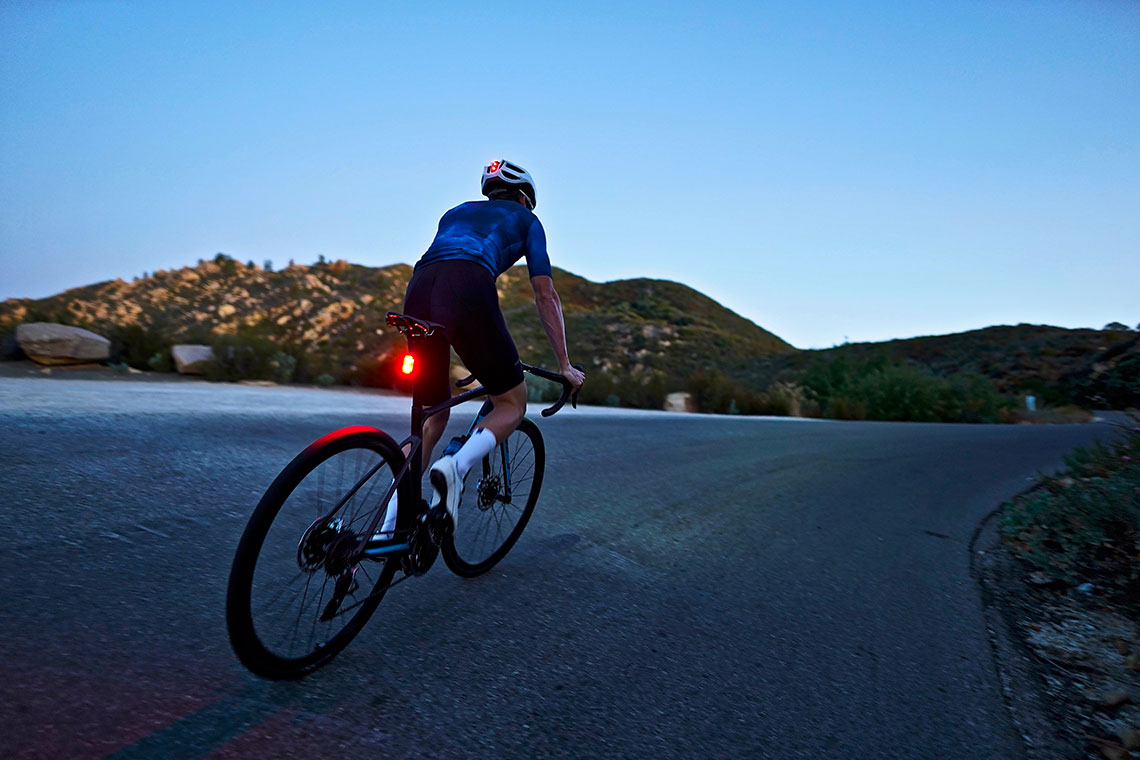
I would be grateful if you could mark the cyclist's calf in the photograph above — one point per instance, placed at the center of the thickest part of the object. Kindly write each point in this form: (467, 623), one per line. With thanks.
(433, 431)
(510, 407)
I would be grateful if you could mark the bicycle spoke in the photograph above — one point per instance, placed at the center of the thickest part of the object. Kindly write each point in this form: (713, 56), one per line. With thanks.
(487, 530)
(266, 606)
(303, 555)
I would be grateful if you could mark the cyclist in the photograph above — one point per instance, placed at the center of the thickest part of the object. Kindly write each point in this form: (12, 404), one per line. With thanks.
(453, 284)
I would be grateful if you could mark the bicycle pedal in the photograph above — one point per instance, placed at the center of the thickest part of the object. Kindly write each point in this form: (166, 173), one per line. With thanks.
(439, 523)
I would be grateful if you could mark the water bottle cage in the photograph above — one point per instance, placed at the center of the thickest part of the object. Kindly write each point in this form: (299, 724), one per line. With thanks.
(454, 445)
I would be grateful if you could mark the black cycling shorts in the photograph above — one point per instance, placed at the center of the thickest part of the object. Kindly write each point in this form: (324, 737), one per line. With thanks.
(461, 296)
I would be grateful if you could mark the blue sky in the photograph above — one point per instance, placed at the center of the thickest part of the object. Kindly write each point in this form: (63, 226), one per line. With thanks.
(831, 171)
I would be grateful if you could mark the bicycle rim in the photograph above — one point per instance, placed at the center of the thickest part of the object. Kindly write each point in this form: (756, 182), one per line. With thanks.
(294, 599)
(490, 519)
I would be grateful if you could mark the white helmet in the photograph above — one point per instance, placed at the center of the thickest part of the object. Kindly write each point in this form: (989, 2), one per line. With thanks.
(501, 173)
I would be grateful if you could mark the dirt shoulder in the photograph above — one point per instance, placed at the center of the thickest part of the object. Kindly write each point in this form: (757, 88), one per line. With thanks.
(1069, 662)
(28, 368)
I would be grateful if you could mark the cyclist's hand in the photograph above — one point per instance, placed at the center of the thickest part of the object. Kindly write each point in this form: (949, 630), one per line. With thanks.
(574, 376)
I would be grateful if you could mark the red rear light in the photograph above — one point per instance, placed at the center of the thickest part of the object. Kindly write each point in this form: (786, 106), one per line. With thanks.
(409, 364)
(493, 167)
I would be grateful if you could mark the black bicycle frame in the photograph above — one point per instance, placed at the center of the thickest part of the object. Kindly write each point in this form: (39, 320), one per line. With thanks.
(413, 464)
(413, 471)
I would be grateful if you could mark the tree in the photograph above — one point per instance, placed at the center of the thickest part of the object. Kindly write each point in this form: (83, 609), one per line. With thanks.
(1117, 327)
(268, 265)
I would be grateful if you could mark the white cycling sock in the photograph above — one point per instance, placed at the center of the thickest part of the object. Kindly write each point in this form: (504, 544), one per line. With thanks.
(390, 516)
(481, 443)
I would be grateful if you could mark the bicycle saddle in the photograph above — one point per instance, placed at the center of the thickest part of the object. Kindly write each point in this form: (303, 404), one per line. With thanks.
(413, 327)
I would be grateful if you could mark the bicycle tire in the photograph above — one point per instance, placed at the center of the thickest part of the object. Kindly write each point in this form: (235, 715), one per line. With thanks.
(292, 489)
(483, 507)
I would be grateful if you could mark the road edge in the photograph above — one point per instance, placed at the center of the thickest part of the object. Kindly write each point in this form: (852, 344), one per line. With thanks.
(1019, 674)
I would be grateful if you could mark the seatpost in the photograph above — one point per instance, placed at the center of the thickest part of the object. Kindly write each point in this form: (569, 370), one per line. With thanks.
(417, 410)
(415, 468)
(417, 416)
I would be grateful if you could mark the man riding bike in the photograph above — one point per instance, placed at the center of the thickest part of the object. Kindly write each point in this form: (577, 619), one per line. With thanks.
(453, 284)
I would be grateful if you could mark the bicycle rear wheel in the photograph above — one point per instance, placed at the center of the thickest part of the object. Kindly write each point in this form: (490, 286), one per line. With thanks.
(294, 600)
(497, 502)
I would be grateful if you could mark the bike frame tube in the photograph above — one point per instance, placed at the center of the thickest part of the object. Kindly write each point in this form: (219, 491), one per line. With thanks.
(413, 466)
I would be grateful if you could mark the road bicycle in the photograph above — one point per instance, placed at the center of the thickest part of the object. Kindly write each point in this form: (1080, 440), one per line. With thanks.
(311, 568)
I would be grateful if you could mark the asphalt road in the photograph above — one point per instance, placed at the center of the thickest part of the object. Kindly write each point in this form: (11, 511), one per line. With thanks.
(689, 587)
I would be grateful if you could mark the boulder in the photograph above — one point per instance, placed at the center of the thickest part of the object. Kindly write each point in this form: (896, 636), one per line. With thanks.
(51, 343)
(679, 402)
(191, 360)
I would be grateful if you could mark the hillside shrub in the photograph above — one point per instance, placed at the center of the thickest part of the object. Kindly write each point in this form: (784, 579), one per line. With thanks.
(638, 391)
(248, 357)
(10, 348)
(283, 366)
(713, 392)
(161, 361)
(1084, 525)
(1118, 388)
(879, 388)
(541, 390)
(134, 345)
(788, 399)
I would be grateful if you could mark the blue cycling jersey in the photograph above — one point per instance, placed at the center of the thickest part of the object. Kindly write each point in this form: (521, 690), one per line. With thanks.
(495, 234)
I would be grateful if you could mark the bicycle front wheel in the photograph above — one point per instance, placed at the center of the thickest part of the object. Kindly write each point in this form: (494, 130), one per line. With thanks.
(497, 502)
(295, 597)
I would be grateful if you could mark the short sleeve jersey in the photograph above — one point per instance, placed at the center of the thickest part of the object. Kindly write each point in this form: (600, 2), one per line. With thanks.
(495, 234)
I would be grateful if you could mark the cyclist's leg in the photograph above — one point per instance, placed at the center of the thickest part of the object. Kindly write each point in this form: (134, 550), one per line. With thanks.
(510, 407)
(499, 423)
(433, 431)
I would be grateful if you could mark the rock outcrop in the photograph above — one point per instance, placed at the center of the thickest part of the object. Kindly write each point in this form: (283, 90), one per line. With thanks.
(51, 343)
(679, 402)
(191, 360)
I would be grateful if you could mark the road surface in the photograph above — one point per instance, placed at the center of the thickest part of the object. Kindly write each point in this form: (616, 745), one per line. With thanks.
(690, 587)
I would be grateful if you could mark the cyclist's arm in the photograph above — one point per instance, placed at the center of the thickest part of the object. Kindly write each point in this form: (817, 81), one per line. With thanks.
(550, 313)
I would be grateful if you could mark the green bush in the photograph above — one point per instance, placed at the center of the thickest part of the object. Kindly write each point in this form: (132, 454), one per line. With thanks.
(161, 362)
(881, 389)
(1085, 524)
(787, 399)
(135, 345)
(715, 393)
(325, 379)
(641, 391)
(283, 366)
(541, 390)
(1118, 388)
(248, 357)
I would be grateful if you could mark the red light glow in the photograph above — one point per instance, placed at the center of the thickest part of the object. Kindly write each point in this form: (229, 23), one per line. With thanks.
(409, 364)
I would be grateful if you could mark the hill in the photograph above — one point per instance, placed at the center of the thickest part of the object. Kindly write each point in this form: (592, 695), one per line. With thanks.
(1058, 365)
(640, 338)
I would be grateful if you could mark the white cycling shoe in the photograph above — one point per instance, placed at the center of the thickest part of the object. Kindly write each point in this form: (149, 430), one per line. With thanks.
(448, 486)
